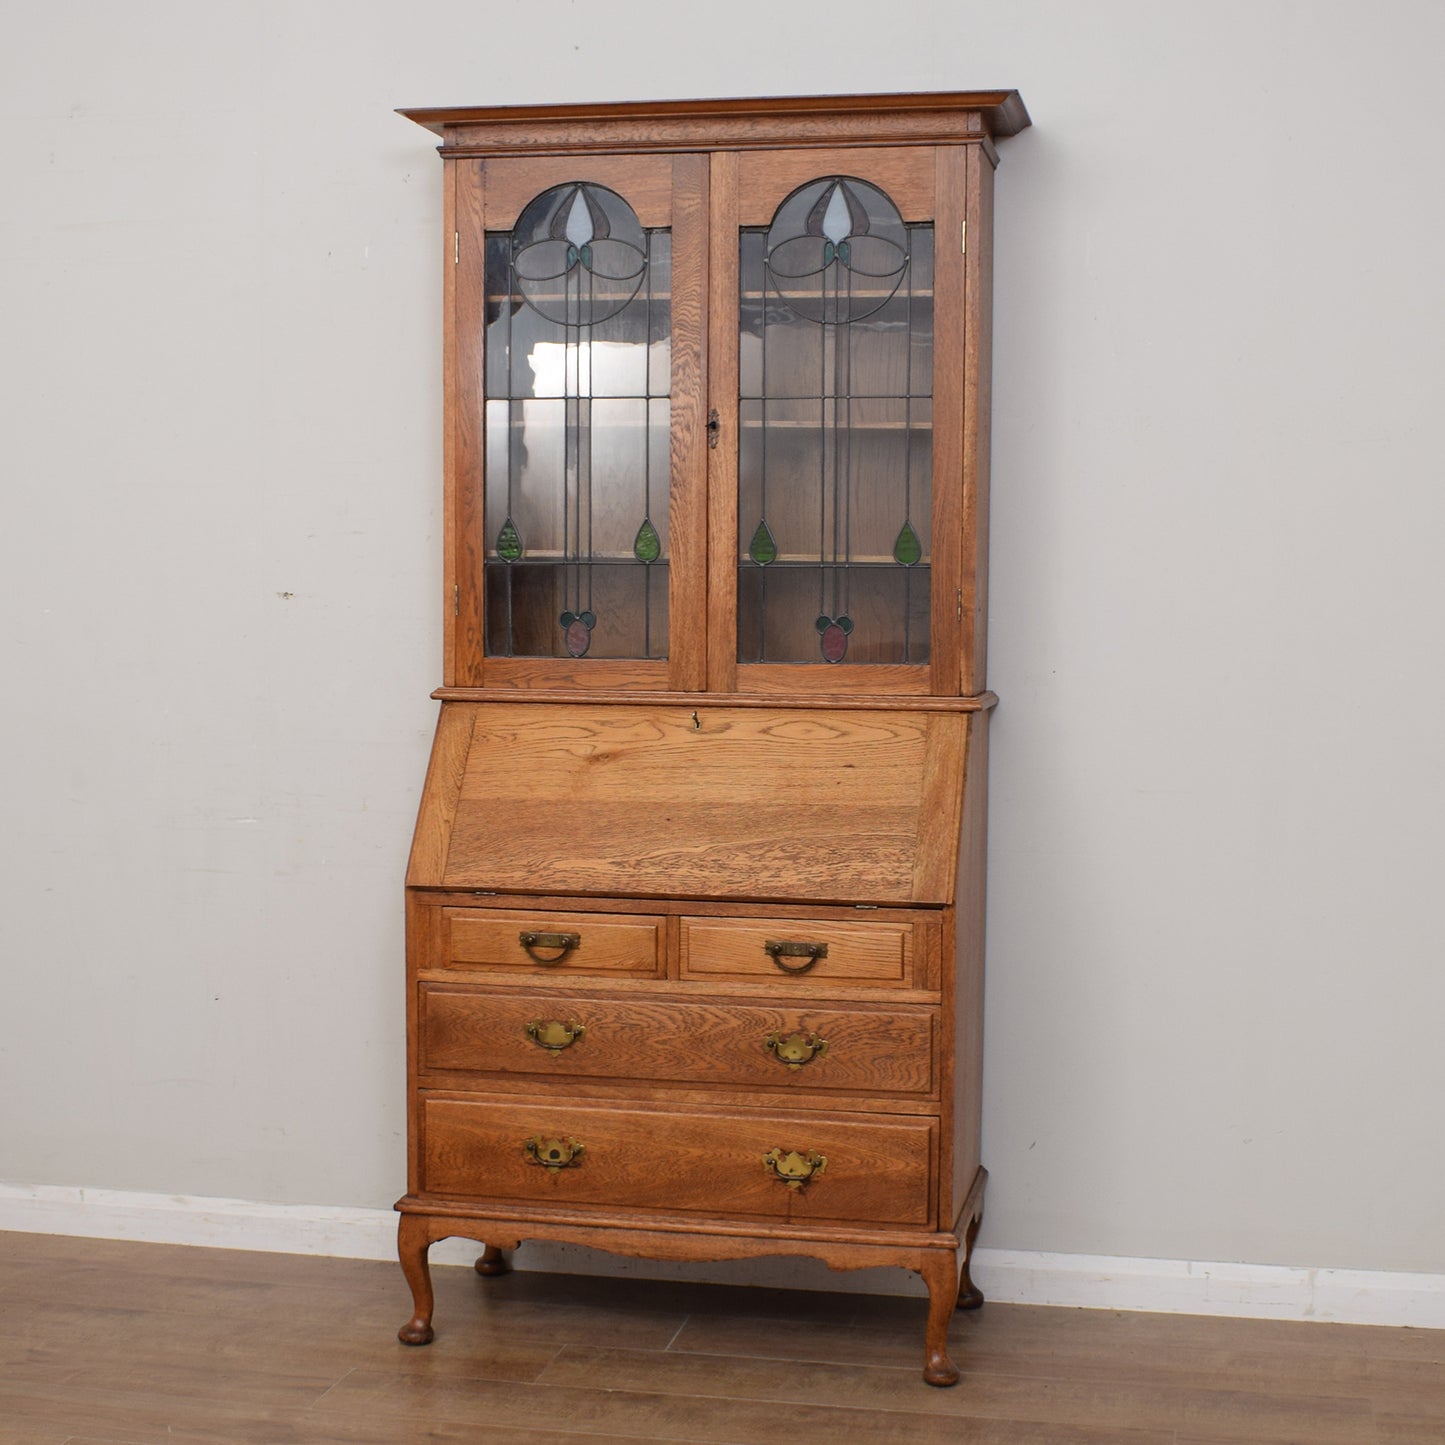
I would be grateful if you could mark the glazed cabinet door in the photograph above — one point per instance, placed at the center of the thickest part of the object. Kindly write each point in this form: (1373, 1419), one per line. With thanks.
(578, 445)
(837, 370)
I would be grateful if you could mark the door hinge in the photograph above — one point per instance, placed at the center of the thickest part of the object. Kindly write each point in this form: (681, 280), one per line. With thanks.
(456, 248)
(456, 599)
(958, 602)
(963, 237)
(714, 428)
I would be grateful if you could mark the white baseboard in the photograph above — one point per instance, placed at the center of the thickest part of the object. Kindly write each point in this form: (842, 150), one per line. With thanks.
(1086, 1281)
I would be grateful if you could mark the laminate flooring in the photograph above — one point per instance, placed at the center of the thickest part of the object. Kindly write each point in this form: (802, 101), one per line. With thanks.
(113, 1343)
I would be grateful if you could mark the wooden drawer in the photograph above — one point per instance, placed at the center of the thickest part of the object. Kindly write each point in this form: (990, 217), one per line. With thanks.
(613, 944)
(703, 1162)
(862, 1050)
(875, 953)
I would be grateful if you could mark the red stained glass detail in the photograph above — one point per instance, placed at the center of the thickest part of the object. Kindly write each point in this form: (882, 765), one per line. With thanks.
(834, 642)
(579, 638)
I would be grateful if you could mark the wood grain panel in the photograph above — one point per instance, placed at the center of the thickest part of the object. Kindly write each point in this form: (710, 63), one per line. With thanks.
(610, 943)
(465, 346)
(966, 1052)
(894, 679)
(450, 243)
(688, 450)
(977, 410)
(807, 805)
(700, 1162)
(644, 182)
(872, 1051)
(747, 118)
(765, 178)
(722, 475)
(950, 601)
(937, 845)
(437, 812)
(733, 948)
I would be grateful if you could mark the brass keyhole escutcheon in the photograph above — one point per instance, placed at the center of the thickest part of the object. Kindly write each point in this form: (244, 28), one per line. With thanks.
(553, 1034)
(796, 1049)
(554, 1154)
(793, 1169)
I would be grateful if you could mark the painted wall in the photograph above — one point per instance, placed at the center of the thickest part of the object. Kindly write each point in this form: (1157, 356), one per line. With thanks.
(1216, 984)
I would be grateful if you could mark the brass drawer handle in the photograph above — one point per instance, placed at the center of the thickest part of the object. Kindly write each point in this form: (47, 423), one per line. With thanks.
(564, 941)
(554, 1154)
(795, 1050)
(779, 949)
(793, 1169)
(554, 1035)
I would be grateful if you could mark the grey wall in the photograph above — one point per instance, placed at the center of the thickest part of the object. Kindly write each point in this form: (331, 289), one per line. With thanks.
(1215, 986)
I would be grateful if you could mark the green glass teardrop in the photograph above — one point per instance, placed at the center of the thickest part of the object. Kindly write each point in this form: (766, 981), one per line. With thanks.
(763, 549)
(907, 549)
(647, 545)
(509, 543)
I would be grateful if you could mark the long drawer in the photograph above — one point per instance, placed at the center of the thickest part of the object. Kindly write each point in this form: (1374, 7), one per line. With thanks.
(858, 1049)
(783, 1167)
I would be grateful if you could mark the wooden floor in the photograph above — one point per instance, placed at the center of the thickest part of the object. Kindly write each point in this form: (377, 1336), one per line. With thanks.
(104, 1342)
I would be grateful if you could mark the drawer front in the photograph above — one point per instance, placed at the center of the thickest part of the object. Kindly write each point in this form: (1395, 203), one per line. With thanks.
(613, 944)
(863, 1050)
(820, 950)
(694, 1162)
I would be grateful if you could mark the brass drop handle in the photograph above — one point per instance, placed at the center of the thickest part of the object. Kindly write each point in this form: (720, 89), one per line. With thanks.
(794, 1170)
(554, 1035)
(795, 1050)
(554, 1154)
(779, 949)
(564, 941)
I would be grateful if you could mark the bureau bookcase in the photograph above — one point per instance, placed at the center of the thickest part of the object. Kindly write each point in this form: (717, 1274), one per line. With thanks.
(695, 900)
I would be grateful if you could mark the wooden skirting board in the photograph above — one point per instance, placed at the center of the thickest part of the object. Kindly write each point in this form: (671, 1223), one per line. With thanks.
(1253, 1291)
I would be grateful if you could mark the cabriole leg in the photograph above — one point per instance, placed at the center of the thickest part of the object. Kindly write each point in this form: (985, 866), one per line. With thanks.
(970, 1297)
(492, 1261)
(939, 1269)
(413, 1240)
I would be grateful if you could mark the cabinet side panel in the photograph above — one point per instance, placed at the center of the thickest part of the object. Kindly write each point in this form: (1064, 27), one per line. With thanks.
(978, 401)
(431, 841)
(949, 599)
(968, 966)
(935, 858)
(465, 423)
(449, 410)
(421, 919)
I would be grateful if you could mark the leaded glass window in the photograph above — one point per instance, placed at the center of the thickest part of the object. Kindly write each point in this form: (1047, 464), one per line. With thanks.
(835, 446)
(577, 429)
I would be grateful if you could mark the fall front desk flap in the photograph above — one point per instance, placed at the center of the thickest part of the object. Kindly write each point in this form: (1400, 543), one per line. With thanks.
(721, 802)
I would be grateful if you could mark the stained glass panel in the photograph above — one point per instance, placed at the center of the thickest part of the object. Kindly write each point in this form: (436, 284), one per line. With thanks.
(835, 417)
(578, 310)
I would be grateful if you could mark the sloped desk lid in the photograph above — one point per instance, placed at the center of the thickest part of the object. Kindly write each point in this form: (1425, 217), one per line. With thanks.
(752, 803)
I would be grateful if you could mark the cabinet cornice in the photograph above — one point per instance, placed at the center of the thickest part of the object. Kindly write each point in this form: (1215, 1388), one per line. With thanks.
(816, 120)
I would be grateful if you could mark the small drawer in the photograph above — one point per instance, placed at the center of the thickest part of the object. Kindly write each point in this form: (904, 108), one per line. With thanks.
(791, 1168)
(612, 944)
(831, 950)
(868, 1051)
